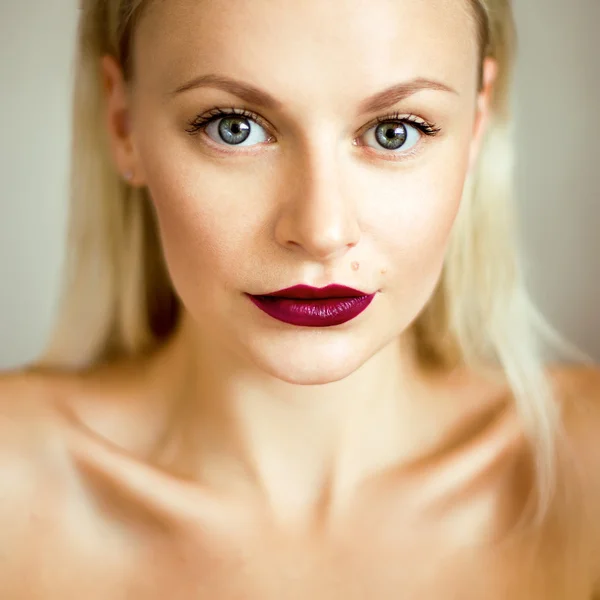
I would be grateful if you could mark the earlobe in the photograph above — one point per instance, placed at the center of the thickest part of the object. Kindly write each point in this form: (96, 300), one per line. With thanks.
(117, 118)
(489, 73)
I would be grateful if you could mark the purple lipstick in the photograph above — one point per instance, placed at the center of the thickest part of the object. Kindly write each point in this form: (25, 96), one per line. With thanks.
(306, 306)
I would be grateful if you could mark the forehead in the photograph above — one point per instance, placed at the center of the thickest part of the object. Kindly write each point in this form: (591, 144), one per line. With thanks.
(288, 46)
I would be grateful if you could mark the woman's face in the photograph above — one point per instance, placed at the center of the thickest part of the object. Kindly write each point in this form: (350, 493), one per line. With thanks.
(307, 186)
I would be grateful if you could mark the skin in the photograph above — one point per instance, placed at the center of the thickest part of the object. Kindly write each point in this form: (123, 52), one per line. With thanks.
(252, 459)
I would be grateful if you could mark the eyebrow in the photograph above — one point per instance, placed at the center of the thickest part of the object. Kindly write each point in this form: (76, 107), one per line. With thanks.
(253, 95)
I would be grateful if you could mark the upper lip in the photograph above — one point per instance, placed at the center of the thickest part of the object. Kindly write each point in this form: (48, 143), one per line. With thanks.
(308, 292)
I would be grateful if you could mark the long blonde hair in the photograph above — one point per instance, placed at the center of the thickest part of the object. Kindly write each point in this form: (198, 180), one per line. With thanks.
(118, 300)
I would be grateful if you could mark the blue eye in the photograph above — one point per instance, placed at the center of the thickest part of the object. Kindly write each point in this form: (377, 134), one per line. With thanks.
(230, 128)
(394, 135)
(399, 133)
(238, 127)
(236, 131)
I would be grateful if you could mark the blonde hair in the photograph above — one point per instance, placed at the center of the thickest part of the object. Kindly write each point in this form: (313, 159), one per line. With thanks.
(118, 299)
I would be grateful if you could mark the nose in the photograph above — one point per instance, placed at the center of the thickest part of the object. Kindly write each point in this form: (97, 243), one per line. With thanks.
(318, 216)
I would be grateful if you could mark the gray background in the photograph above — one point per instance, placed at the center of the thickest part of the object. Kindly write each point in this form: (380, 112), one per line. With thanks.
(558, 178)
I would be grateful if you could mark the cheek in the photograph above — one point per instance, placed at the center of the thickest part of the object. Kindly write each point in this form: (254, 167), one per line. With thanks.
(205, 230)
(415, 220)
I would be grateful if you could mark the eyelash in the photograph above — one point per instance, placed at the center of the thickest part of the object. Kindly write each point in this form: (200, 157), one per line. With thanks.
(201, 122)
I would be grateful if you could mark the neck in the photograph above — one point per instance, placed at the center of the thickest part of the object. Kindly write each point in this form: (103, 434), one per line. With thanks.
(237, 428)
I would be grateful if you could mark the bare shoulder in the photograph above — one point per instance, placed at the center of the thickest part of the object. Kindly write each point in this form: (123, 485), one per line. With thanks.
(33, 466)
(578, 390)
(29, 416)
(579, 393)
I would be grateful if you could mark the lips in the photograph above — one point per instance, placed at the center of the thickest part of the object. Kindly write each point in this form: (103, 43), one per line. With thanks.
(299, 292)
(306, 306)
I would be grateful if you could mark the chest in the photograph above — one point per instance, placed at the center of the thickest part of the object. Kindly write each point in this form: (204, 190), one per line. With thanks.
(123, 547)
(387, 564)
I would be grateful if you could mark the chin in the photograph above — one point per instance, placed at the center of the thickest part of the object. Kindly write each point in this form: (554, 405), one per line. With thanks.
(312, 364)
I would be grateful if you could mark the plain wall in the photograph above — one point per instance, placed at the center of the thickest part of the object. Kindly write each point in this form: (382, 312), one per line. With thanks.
(558, 172)
(558, 178)
(36, 46)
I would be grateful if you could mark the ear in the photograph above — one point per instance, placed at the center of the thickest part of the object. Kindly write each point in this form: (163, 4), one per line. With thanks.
(118, 122)
(483, 113)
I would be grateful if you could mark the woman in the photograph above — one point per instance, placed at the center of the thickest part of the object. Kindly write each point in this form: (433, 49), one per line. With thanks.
(296, 358)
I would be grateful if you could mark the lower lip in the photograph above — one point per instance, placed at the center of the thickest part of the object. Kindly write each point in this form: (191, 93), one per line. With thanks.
(323, 312)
